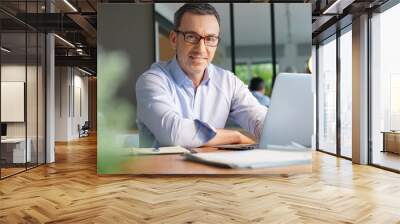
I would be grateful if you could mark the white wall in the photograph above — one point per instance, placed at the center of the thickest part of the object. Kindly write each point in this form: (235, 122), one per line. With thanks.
(80, 103)
(62, 82)
(12, 73)
(17, 73)
(33, 126)
(71, 94)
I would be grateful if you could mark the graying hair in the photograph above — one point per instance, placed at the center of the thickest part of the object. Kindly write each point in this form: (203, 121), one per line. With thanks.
(197, 9)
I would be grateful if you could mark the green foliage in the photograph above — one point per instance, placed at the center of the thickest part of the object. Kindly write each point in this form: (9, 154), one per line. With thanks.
(243, 73)
(114, 113)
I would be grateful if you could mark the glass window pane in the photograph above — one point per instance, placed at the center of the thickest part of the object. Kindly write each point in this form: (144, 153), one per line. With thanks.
(23, 88)
(327, 95)
(32, 89)
(253, 51)
(223, 57)
(385, 89)
(14, 153)
(346, 93)
(293, 36)
(31, 97)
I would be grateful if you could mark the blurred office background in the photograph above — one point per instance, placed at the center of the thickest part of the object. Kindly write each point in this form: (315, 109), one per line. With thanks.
(258, 40)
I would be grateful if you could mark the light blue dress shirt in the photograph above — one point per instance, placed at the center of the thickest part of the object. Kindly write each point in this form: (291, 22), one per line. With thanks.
(171, 112)
(264, 100)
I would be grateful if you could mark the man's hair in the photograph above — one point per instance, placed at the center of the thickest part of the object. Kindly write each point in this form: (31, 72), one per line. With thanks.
(195, 8)
(256, 84)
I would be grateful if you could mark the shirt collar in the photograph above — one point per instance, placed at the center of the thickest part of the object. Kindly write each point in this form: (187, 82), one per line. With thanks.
(181, 78)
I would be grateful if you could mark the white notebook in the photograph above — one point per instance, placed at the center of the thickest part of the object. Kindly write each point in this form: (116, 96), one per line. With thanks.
(158, 151)
(257, 158)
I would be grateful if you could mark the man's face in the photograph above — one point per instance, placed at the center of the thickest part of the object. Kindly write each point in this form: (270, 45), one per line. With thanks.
(194, 58)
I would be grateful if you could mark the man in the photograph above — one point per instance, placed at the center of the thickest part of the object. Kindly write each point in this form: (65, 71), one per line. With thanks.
(257, 88)
(186, 101)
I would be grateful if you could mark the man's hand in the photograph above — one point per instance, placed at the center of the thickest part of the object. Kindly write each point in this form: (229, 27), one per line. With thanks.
(224, 136)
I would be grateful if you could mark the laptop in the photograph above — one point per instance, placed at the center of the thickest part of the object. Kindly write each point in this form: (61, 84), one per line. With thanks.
(290, 117)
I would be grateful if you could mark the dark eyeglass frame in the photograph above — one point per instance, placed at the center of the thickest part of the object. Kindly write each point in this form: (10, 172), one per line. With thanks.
(199, 38)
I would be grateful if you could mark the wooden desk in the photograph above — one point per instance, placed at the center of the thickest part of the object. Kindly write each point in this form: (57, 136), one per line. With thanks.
(176, 164)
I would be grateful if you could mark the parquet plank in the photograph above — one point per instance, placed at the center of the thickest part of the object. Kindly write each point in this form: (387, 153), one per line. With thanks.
(70, 191)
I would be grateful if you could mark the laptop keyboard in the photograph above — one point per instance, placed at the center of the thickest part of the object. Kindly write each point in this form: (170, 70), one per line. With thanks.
(238, 146)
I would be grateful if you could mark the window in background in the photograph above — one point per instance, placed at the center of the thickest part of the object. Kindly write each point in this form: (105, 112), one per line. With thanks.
(166, 52)
(385, 85)
(22, 67)
(164, 22)
(346, 92)
(327, 95)
(15, 154)
(31, 99)
(253, 49)
(293, 40)
(163, 26)
(395, 102)
(223, 57)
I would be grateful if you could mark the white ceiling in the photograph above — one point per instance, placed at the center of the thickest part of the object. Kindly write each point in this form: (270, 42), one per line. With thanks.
(252, 21)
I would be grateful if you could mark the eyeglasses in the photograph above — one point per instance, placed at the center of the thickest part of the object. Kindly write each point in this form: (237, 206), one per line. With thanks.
(194, 38)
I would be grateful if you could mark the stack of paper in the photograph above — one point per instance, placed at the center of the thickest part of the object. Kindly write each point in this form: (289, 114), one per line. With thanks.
(257, 158)
(160, 150)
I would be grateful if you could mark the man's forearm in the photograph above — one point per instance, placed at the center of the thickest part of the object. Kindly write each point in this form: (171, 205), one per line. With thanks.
(224, 136)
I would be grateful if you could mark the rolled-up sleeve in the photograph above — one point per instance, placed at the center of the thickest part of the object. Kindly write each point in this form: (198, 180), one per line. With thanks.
(245, 110)
(157, 111)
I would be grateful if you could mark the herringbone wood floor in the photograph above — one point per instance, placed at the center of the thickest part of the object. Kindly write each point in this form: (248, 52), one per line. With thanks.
(69, 191)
